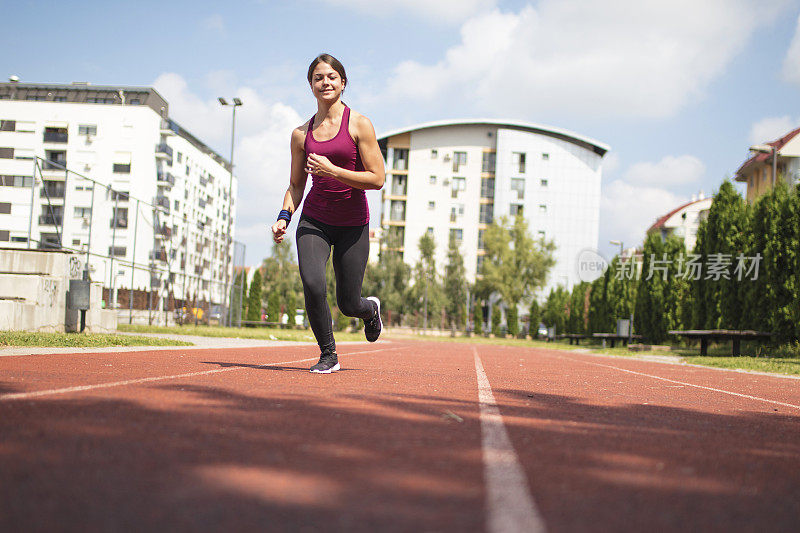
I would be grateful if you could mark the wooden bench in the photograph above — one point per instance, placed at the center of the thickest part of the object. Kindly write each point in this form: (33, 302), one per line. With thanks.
(706, 335)
(574, 337)
(613, 337)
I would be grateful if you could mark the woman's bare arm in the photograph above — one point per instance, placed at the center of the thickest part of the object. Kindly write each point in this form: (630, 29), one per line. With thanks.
(297, 181)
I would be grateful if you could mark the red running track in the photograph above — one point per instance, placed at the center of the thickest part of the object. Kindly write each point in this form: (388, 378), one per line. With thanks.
(248, 440)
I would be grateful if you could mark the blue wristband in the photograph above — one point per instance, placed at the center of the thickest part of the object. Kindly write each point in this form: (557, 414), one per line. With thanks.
(285, 215)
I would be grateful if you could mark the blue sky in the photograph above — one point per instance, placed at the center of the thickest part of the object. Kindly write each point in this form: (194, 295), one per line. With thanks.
(678, 89)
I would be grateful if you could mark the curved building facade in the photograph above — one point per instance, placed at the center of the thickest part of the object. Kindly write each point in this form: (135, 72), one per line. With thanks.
(456, 177)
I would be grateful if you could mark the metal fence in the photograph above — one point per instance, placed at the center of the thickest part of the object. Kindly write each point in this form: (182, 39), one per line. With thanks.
(177, 291)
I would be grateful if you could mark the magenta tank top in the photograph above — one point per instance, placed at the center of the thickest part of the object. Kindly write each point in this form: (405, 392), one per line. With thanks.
(329, 200)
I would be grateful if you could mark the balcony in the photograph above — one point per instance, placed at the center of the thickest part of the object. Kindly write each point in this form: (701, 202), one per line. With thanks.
(201, 203)
(158, 255)
(50, 220)
(164, 231)
(56, 136)
(119, 223)
(56, 164)
(164, 151)
(165, 177)
(53, 192)
(163, 202)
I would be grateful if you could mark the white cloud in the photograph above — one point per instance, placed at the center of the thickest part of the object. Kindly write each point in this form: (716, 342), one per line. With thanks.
(263, 129)
(623, 57)
(626, 211)
(771, 128)
(611, 163)
(437, 11)
(668, 172)
(791, 63)
(215, 23)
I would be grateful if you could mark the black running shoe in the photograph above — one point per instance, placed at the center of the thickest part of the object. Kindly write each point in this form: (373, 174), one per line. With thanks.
(328, 362)
(373, 326)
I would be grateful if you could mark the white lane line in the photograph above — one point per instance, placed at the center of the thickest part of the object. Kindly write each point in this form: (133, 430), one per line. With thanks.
(683, 383)
(65, 390)
(509, 504)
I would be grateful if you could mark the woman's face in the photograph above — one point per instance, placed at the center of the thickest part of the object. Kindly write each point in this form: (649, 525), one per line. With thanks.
(326, 84)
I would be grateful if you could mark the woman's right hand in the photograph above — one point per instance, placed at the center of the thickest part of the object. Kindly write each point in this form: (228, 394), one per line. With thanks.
(278, 231)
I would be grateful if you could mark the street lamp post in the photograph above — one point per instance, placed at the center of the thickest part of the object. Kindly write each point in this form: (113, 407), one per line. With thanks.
(620, 247)
(229, 243)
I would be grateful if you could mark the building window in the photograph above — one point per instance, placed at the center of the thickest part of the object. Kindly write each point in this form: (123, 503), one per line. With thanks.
(76, 242)
(456, 211)
(400, 159)
(434, 153)
(180, 157)
(6, 153)
(8, 125)
(49, 240)
(55, 135)
(431, 205)
(486, 214)
(481, 233)
(122, 168)
(515, 209)
(459, 160)
(487, 187)
(52, 215)
(397, 211)
(429, 231)
(545, 156)
(15, 181)
(518, 162)
(479, 263)
(543, 182)
(396, 235)
(432, 180)
(458, 184)
(399, 185)
(457, 234)
(117, 251)
(5, 235)
(119, 217)
(134, 101)
(118, 196)
(19, 239)
(5, 208)
(489, 162)
(87, 129)
(53, 189)
(83, 212)
(56, 159)
(542, 208)
(518, 184)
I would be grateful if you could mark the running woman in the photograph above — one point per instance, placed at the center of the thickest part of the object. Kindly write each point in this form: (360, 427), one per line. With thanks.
(338, 147)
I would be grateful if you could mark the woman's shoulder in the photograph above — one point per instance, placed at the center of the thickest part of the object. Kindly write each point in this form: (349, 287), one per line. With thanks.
(299, 133)
(360, 124)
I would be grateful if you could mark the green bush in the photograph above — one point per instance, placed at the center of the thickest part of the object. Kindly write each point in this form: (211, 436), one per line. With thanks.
(496, 321)
(512, 320)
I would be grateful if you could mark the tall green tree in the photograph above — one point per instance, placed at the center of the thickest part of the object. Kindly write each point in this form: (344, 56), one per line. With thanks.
(388, 279)
(455, 284)
(600, 316)
(496, 320)
(579, 308)
(254, 298)
(280, 272)
(534, 317)
(512, 320)
(774, 294)
(556, 309)
(426, 294)
(650, 313)
(721, 238)
(274, 307)
(516, 265)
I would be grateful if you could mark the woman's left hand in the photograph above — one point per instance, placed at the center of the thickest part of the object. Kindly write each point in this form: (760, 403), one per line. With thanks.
(320, 166)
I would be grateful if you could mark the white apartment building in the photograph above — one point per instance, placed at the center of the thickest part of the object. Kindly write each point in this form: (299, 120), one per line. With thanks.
(458, 176)
(164, 223)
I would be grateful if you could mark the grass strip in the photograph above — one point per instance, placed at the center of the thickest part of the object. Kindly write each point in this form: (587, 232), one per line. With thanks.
(81, 340)
(262, 333)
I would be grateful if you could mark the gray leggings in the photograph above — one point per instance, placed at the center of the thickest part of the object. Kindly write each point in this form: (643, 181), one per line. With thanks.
(350, 252)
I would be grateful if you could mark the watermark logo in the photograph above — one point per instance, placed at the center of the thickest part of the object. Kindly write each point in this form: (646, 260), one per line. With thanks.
(590, 265)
